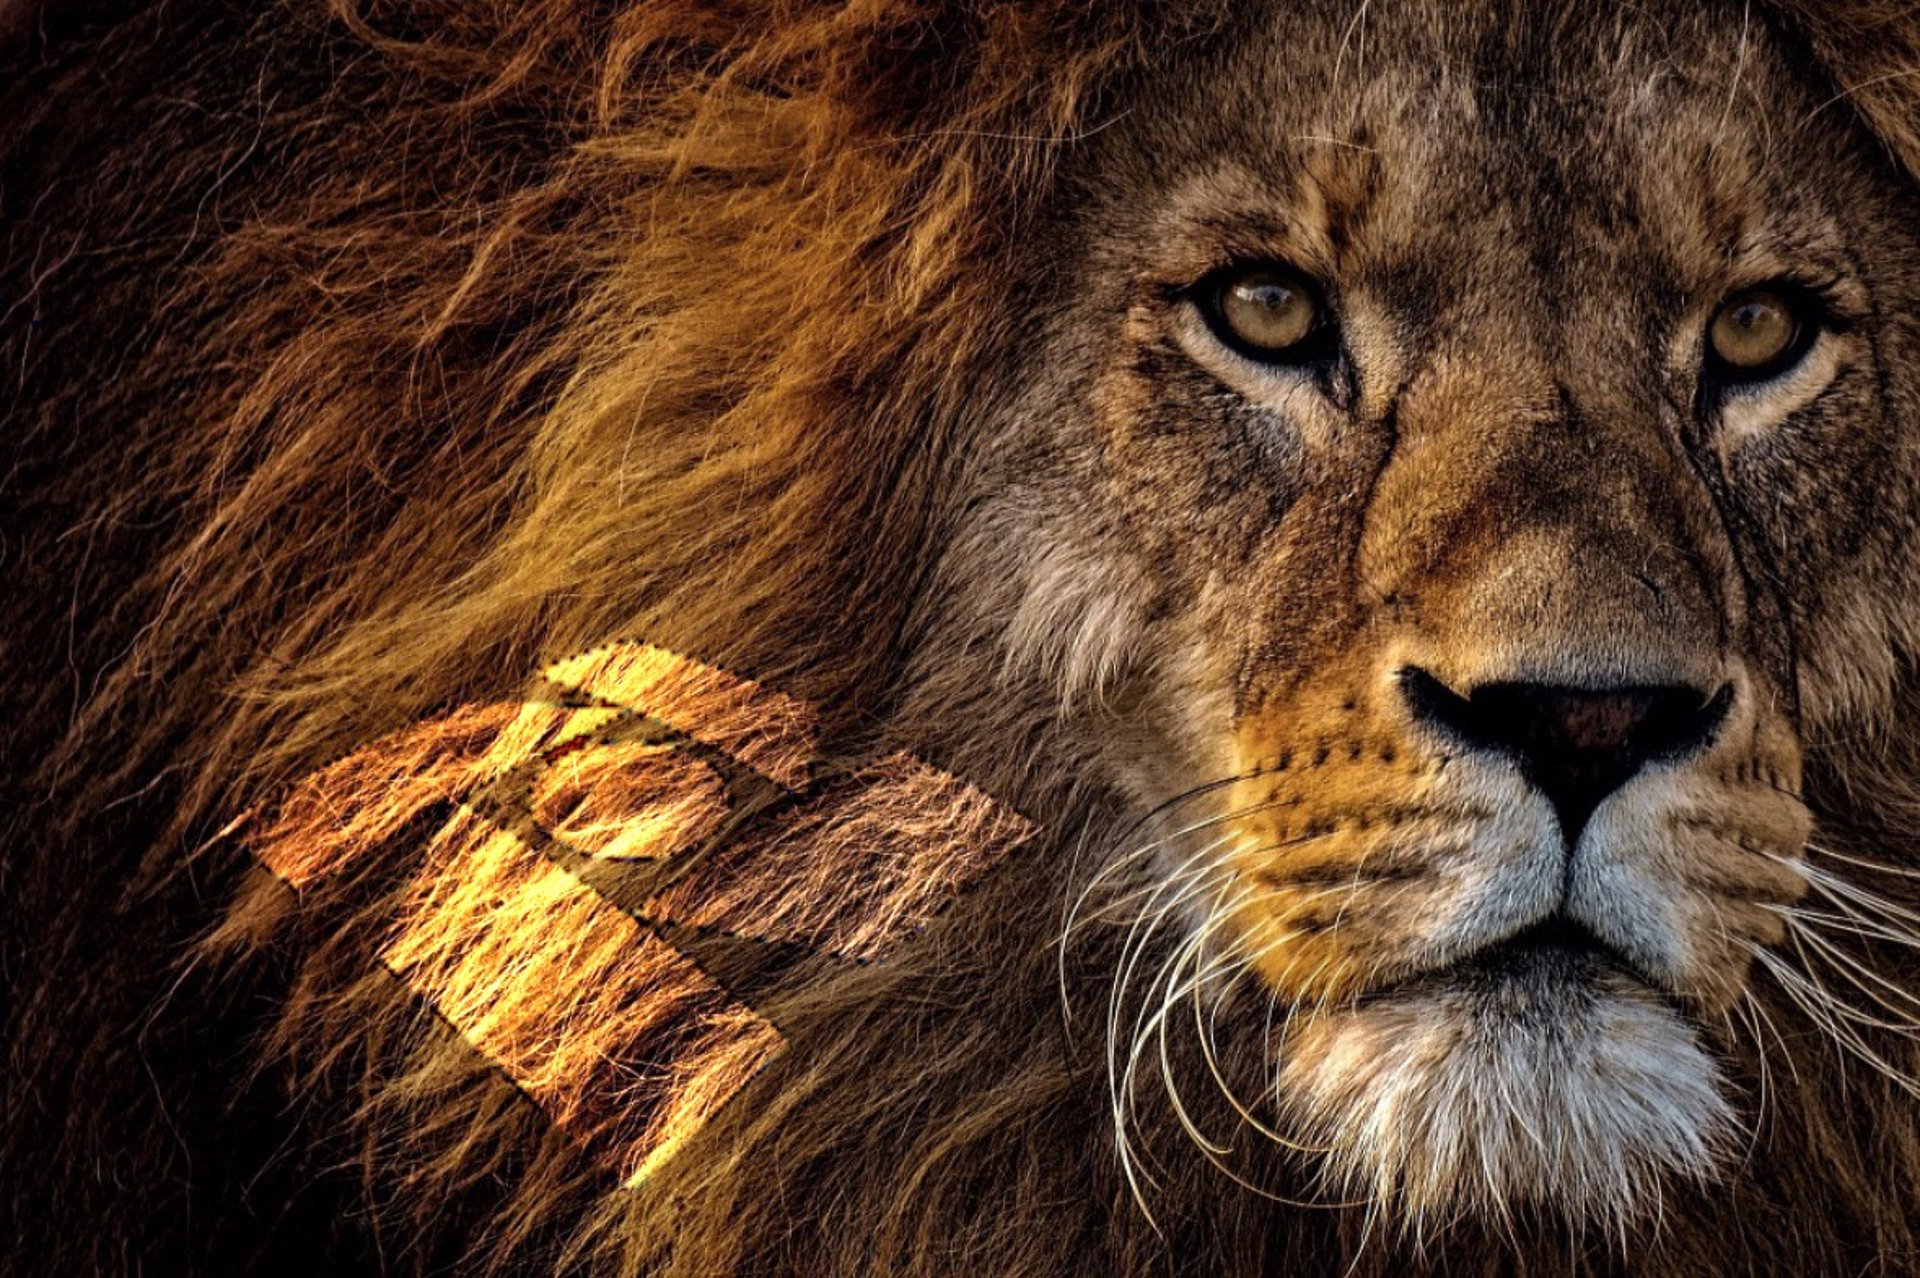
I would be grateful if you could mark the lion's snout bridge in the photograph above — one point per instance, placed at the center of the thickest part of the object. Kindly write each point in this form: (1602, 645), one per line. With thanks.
(1564, 708)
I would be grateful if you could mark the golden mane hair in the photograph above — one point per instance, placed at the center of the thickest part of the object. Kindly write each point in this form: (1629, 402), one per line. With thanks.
(365, 357)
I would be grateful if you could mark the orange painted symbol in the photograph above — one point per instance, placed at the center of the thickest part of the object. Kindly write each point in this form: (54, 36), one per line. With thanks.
(596, 841)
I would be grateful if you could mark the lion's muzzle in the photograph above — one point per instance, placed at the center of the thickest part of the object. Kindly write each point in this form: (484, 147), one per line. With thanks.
(1509, 847)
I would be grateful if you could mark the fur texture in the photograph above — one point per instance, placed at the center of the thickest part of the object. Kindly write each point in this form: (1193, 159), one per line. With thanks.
(362, 358)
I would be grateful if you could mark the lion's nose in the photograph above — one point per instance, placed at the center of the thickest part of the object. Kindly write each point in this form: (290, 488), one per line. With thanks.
(1578, 745)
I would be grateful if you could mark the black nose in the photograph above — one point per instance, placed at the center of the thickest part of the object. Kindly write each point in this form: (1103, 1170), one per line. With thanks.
(1577, 745)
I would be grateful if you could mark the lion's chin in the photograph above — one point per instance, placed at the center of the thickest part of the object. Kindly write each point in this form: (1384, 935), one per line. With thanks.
(1550, 1079)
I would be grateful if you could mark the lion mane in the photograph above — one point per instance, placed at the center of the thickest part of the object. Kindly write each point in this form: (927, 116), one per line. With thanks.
(361, 358)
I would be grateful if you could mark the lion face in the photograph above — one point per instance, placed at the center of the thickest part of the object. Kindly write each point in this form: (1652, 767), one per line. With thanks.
(1443, 497)
(1370, 541)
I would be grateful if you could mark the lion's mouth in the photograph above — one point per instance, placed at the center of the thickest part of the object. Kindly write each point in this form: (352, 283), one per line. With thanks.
(1543, 963)
(1541, 1066)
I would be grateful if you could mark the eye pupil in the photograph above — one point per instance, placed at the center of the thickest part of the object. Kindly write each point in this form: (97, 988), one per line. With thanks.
(1265, 311)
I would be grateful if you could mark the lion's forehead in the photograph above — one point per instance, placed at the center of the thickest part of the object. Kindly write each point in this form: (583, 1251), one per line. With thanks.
(1492, 160)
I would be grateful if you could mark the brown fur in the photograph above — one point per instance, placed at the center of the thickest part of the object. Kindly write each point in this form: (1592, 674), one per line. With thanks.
(362, 358)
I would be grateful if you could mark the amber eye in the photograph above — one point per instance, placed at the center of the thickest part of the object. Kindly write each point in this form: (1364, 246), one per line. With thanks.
(1757, 334)
(1264, 312)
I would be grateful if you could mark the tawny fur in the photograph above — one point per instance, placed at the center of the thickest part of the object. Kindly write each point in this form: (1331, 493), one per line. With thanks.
(361, 358)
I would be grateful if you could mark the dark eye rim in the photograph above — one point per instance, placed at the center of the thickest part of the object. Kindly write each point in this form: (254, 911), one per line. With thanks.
(1811, 318)
(1320, 346)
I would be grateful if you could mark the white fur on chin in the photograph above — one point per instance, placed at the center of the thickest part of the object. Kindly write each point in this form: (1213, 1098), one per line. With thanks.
(1578, 1091)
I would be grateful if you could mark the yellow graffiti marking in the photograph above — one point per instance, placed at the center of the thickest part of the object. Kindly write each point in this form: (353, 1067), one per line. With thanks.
(620, 1036)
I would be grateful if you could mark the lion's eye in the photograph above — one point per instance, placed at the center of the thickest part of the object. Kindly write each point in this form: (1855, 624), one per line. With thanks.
(1264, 312)
(1757, 334)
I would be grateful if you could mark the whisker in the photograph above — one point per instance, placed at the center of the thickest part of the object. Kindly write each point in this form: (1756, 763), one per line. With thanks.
(1153, 1030)
(1842, 1011)
(1765, 1017)
(1204, 968)
(1831, 1014)
(1233, 960)
(1202, 874)
(1744, 1007)
(1144, 851)
(1864, 863)
(1859, 975)
(1152, 915)
(1243, 965)
(1851, 924)
(1835, 888)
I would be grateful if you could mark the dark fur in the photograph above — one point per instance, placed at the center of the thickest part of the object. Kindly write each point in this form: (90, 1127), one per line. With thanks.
(356, 359)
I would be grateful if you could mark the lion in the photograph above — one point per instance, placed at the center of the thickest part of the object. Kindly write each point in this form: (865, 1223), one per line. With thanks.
(1395, 519)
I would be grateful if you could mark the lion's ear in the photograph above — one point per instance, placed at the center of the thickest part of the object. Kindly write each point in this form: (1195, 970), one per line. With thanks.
(1870, 50)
